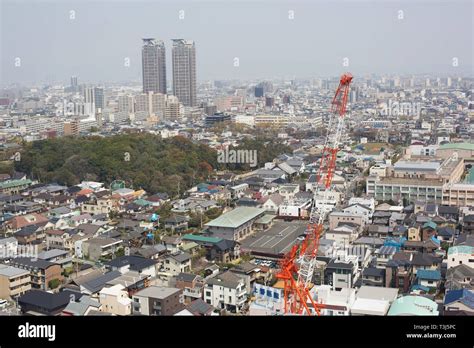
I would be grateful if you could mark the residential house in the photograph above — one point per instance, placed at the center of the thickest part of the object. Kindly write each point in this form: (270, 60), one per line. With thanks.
(82, 306)
(373, 276)
(38, 302)
(428, 280)
(127, 263)
(96, 248)
(460, 255)
(198, 308)
(226, 291)
(272, 202)
(177, 263)
(224, 251)
(176, 223)
(192, 286)
(341, 273)
(461, 300)
(115, 300)
(359, 210)
(60, 239)
(458, 277)
(344, 234)
(157, 301)
(384, 255)
(399, 272)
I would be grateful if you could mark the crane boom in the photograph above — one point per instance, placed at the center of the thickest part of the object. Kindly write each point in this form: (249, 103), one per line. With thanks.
(297, 267)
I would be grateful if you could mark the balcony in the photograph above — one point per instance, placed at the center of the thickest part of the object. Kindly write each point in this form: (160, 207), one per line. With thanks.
(196, 292)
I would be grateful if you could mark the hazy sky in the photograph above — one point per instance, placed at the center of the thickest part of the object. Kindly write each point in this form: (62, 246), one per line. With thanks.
(94, 45)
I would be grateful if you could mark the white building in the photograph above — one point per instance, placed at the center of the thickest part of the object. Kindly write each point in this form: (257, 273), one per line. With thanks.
(226, 291)
(8, 247)
(461, 255)
(336, 303)
(115, 300)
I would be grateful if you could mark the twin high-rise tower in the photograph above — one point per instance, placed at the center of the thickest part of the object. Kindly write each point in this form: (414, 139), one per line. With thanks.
(184, 69)
(154, 66)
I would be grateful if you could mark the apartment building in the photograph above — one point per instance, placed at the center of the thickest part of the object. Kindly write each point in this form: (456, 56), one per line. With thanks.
(13, 281)
(41, 272)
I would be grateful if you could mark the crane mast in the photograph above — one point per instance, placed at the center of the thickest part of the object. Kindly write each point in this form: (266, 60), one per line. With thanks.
(297, 267)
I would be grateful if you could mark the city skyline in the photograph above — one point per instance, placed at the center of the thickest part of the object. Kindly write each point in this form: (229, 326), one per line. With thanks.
(293, 40)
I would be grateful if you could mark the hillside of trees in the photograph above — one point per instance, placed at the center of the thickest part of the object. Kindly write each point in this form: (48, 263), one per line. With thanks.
(141, 160)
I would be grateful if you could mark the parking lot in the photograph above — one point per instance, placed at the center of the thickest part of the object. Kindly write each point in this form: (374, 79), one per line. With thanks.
(277, 240)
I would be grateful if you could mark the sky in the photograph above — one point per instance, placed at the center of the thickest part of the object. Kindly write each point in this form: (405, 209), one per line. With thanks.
(48, 41)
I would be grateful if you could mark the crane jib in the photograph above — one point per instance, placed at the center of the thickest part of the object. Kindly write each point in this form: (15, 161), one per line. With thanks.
(297, 266)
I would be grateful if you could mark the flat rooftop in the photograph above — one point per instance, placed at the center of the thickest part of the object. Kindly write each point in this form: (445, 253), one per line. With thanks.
(159, 292)
(10, 271)
(269, 242)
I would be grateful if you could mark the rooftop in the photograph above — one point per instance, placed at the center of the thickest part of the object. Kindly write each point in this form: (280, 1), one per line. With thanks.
(236, 217)
(158, 292)
(413, 305)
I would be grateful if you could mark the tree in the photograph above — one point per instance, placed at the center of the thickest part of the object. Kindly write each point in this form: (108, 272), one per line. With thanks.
(54, 283)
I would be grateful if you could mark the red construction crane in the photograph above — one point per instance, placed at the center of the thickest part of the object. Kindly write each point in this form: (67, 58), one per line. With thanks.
(297, 267)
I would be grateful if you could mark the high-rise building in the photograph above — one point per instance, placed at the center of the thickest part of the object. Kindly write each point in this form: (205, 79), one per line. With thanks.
(154, 66)
(184, 71)
(74, 82)
(99, 98)
(89, 101)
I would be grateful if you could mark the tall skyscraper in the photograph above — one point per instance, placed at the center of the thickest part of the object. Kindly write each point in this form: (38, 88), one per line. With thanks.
(74, 81)
(154, 66)
(74, 86)
(89, 101)
(184, 71)
(99, 98)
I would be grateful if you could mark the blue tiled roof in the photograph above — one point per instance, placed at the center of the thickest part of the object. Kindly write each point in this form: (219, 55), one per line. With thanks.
(428, 274)
(464, 295)
(420, 287)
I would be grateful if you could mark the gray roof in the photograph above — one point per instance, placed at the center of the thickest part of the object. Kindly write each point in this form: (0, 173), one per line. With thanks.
(186, 277)
(181, 257)
(31, 262)
(377, 293)
(236, 217)
(199, 307)
(136, 263)
(387, 250)
(10, 271)
(227, 279)
(44, 255)
(96, 284)
(374, 272)
(158, 292)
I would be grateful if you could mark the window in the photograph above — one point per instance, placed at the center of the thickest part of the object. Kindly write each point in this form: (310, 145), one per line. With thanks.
(208, 293)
